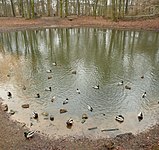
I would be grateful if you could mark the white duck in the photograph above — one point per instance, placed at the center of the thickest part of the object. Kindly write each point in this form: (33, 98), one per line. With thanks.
(54, 64)
(29, 134)
(90, 108)
(140, 116)
(144, 95)
(65, 101)
(48, 71)
(120, 83)
(48, 89)
(78, 91)
(96, 87)
(119, 118)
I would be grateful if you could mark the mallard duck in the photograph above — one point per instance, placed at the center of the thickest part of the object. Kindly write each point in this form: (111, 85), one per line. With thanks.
(9, 94)
(37, 95)
(69, 122)
(127, 87)
(96, 87)
(140, 116)
(120, 83)
(35, 115)
(54, 64)
(119, 118)
(144, 95)
(65, 101)
(48, 89)
(90, 108)
(78, 91)
(29, 134)
(48, 71)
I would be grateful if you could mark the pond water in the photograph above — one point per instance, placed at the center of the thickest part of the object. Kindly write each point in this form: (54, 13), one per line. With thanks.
(101, 57)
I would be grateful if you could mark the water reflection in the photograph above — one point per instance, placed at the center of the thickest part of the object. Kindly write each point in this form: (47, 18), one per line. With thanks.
(99, 56)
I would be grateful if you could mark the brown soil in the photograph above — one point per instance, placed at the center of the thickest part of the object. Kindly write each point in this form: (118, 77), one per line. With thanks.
(12, 138)
(8, 24)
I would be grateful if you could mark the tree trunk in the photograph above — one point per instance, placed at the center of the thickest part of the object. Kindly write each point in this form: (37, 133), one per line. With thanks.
(12, 5)
(126, 7)
(66, 8)
(113, 11)
(61, 5)
(48, 8)
(78, 7)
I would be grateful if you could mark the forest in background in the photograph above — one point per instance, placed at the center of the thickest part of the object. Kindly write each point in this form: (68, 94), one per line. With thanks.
(109, 9)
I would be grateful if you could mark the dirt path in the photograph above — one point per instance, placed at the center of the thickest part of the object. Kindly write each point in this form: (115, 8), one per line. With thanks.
(11, 24)
(11, 136)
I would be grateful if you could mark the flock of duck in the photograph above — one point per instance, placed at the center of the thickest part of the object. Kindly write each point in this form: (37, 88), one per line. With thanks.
(69, 122)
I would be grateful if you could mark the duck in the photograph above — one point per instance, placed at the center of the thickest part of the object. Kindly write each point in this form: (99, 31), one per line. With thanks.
(37, 95)
(120, 83)
(29, 134)
(48, 71)
(69, 122)
(90, 108)
(119, 118)
(48, 89)
(78, 91)
(9, 95)
(53, 98)
(24, 87)
(140, 116)
(142, 76)
(127, 87)
(35, 115)
(54, 64)
(96, 87)
(144, 95)
(65, 101)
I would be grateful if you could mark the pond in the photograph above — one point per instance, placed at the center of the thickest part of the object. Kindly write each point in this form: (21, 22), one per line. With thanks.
(84, 57)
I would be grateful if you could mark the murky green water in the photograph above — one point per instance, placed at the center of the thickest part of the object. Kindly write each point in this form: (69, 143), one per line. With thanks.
(99, 56)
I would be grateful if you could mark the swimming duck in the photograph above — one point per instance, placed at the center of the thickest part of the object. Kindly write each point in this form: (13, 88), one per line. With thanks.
(24, 87)
(29, 134)
(35, 115)
(37, 95)
(69, 122)
(119, 118)
(65, 101)
(121, 83)
(54, 64)
(90, 108)
(78, 91)
(9, 95)
(96, 87)
(48, 71)
(144, 95)
(127, 87)
(53, 98)
(48, 89)
(142, 77)
(140, 116)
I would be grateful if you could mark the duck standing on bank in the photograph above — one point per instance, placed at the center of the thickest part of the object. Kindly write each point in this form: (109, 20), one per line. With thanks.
(119, 118)
(69, 122)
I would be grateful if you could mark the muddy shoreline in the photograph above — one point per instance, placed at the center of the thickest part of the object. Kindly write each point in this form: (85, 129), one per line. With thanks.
(12, 138)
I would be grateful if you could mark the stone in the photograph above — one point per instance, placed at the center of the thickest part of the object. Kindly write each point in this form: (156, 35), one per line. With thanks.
(25, 106)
